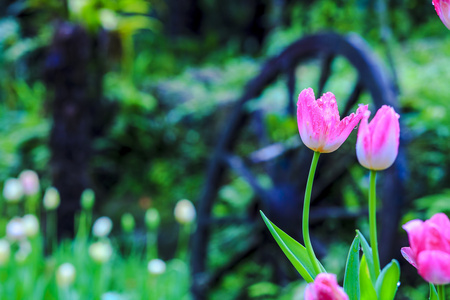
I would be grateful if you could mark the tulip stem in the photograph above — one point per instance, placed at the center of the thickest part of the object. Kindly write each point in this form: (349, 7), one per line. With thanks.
(373, 221)
(305, 220)
(441, 291)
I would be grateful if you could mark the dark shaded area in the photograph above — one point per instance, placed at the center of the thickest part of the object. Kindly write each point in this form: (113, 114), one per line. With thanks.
(74, 71)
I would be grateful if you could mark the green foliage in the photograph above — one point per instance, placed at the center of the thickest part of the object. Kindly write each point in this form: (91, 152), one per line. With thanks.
(351, 278)
(387, 283)
(295, 252)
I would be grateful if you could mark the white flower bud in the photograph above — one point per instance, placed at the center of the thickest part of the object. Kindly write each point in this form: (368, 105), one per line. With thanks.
(102, 227)
(185, 212)
(51, 198)
(15, 229)
(156, 266)
(30, 182)
(100, 252)
(113, 296)
(13, 190)
(31, 225)
(5, 251)
(65, 275)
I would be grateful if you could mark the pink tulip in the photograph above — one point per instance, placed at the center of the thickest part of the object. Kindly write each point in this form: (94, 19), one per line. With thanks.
(377, 143)
(430, 248)
(319, 123)
(442, 8)
(325, 287)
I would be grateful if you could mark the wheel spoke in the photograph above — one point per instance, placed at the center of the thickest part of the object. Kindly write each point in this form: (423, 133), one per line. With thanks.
(325, 71)
(354, 96)
(291, 91)
(214, 278)
(238, 165)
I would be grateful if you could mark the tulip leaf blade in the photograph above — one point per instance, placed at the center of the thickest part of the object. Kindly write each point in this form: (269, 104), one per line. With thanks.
(351, 277)
(369, 258)
(365, 283)
(293, 250)
(387, 283)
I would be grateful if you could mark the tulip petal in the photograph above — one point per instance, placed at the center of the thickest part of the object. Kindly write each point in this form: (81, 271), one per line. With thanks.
(442, 8)
(415, 230)
(434, 266)
(385, 130)
(364, 142)
(408, 254)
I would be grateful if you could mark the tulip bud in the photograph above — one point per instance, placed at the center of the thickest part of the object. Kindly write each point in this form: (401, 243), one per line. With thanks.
(30, 182)
(65, 275)
(377, 143)
(442, 8)
(100, 252)
(31, 225)
(184, 212)
(128, 222)
(5, 251)
(15, 229)
(51, 198)
(156, 266)
(325, 286)
(13, 190)
(102, 227)
(152, 218)
(87, 199)
(320, 126)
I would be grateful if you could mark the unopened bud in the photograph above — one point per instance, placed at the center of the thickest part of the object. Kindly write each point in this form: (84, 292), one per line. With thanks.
(185, 212)
(100, 252)
(156, 266)
(51, 198)
(30, 182)
(87, 199)
(128, 222)
(13, 190)
(102, 227)
(152, 218)
(65, 275)
(15, 229)
(5, 251)
(31, 225)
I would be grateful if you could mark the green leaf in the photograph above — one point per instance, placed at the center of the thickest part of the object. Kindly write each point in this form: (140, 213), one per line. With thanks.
(366, 286)
(369, 257)
(387, 282)
(351, 278)
(294, 251)
(433, 292)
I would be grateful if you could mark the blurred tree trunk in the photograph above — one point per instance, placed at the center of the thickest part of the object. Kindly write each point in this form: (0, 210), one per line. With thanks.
(74, 72)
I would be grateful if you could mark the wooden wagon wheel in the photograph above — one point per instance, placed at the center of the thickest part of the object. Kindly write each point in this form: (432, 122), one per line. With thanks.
(371, 79)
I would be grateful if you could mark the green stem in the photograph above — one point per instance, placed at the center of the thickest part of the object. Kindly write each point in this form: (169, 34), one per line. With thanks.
(305, 220)
(373, 221)
(441, 291)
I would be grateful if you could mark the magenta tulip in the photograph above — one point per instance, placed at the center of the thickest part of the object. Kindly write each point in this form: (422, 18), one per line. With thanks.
(442, 8)
(325, 287)
(377, 143)
(429, 249)
(319, 123)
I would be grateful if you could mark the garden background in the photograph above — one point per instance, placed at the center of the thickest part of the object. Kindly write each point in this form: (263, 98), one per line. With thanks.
(128, 98)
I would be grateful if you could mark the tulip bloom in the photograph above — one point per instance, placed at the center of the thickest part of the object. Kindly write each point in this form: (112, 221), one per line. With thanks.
(429, 249)
(442, 8)
(319, 122)
(325, 287)
(377, 143)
